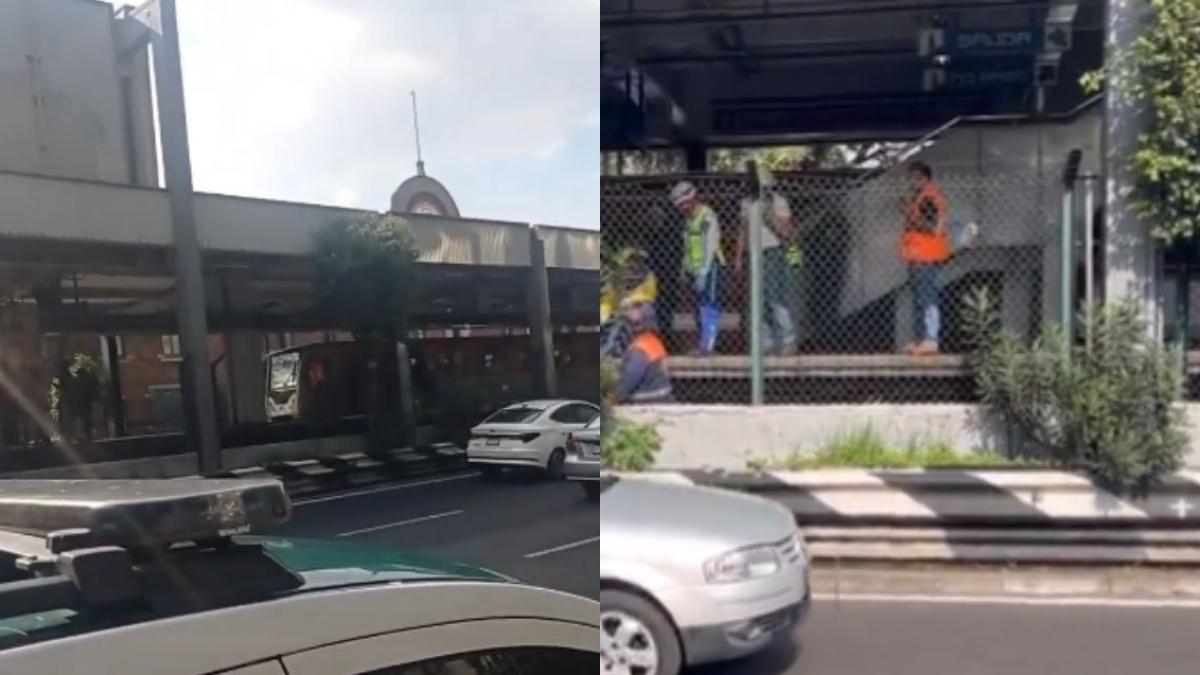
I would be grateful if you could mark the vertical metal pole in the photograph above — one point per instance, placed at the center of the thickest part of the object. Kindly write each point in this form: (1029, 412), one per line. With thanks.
(756, 287)
(540, 328)
(408, 417)
(189, 279)
(1067, 298)
(112, 364)
(1089, 257)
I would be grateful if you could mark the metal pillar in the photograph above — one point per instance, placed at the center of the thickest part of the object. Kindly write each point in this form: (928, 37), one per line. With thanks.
(541, 330)
(756, 287)
(163, 21)
(1066, 293)
(408, 417)
(1130, 254)
(112, 365)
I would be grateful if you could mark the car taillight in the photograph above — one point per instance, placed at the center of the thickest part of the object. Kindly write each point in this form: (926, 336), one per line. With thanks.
(572, 446)
(529, 437)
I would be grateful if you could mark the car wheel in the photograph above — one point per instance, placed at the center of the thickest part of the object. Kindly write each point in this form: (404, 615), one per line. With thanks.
(591, 488)
(636, 638)
(554, 465)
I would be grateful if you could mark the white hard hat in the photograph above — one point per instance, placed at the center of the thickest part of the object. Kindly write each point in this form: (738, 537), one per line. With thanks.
(682, 192)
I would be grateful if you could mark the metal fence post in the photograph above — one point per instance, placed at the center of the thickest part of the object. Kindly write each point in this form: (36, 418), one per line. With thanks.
(755, 216)
(1068, 242)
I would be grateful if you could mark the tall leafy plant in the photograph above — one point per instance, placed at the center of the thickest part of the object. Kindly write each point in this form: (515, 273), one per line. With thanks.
(363, 271)
(1109, 408)
(1159, 75)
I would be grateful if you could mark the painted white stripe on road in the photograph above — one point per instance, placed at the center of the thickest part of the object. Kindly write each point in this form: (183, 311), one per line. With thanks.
(401, 523)
(564, 547)
(1129, 603)
(386, 488)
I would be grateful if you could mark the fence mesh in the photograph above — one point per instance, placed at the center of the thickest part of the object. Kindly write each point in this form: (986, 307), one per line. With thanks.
(843, 305)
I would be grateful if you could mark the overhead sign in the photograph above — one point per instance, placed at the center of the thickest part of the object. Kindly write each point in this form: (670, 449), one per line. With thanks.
(995, 41)
(977, 74)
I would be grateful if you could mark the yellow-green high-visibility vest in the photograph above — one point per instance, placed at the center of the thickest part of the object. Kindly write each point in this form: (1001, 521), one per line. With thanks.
(694, 240)
(794, 255)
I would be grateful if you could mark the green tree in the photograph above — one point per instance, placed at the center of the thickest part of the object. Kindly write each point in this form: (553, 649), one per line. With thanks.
(1160, 76)
(364, 273)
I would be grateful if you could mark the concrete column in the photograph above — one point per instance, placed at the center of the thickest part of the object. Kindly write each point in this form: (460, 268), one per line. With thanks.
(1129, 252)
(541, 331)
(112, 366)
(243, 353)
(408, 416)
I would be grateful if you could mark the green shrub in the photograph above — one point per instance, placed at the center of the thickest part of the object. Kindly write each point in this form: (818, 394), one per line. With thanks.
(627, 446)
(1110, 409)
(865, 449)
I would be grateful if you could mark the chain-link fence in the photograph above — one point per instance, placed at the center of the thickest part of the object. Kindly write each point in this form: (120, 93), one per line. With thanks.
(864, 287)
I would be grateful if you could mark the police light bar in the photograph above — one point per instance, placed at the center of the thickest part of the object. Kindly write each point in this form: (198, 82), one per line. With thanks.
(140, 514)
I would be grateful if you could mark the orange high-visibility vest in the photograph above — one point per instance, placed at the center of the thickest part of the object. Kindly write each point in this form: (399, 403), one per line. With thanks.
(919, 244)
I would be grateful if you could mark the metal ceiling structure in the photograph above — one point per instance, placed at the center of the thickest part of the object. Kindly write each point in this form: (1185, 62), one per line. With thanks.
(741, 72)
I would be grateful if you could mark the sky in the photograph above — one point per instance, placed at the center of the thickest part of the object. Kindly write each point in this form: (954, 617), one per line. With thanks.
(308, 100)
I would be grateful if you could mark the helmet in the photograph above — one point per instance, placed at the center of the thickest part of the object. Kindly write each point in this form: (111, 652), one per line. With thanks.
(682, 192)
(641, 316)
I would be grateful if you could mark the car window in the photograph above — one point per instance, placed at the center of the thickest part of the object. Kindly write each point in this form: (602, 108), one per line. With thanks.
(518, 661)
(576, 413)
(514, 415)
(595, 423)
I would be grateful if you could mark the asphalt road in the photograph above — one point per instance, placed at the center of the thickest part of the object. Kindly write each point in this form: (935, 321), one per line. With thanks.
(922, 638)
(543, 533)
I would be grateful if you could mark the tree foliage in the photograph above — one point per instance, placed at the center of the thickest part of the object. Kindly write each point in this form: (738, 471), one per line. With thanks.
(1160, 75)
(364, 272)
(1110, 409)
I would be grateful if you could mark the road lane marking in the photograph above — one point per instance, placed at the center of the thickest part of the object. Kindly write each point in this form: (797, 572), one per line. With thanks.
(386, 488)
(564, 547)
(1132, 603)
(400, 523)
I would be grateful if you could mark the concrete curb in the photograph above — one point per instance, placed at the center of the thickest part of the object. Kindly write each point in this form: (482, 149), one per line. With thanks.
(317, 475)
(945, 498)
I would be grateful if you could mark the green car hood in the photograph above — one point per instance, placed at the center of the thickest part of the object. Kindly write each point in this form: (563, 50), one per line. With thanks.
(327, 564)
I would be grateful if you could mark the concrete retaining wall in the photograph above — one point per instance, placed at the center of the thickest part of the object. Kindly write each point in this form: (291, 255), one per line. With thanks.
(727, 437)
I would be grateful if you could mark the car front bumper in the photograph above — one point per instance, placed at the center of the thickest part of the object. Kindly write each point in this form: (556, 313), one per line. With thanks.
(734, 620)
(581, 469)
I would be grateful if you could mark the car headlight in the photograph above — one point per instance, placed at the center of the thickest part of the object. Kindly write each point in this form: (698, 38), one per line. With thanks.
(745, 563)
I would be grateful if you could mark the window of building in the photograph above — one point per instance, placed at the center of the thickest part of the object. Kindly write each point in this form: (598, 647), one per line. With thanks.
(170, 347)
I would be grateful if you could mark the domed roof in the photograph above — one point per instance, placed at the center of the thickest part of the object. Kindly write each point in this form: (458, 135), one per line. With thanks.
(421, 194)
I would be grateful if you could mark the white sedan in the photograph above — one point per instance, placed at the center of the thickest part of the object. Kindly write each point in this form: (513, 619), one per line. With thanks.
(531, 434)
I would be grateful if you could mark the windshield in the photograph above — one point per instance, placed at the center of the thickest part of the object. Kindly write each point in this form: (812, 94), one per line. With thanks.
(285, 371)
(515, 415)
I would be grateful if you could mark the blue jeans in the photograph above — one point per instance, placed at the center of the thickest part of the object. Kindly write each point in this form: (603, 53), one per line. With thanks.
(779, 287)
(710, 310)
(926, 314)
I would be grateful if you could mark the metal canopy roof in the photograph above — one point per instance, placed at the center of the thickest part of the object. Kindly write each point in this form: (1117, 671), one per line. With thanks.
(715, 72)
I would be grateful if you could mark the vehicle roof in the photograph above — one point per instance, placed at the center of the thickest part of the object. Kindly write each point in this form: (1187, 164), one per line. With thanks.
(217, 641)
(318, 566)
(544, 403)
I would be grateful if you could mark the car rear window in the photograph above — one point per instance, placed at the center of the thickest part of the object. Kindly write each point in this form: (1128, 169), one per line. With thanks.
(518, 415)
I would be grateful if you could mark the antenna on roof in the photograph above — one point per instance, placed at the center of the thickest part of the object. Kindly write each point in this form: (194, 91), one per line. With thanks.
(417, 132)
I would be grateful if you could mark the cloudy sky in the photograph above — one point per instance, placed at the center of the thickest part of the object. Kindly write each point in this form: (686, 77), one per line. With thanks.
(308, 100)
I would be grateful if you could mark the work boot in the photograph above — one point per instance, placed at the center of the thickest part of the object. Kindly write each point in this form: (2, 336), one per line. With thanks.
(925, 348)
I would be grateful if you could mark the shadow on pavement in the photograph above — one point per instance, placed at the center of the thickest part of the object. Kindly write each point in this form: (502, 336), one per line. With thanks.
(778, 659)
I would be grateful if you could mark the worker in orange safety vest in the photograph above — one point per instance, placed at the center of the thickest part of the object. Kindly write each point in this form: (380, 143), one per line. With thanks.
(925, 247)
